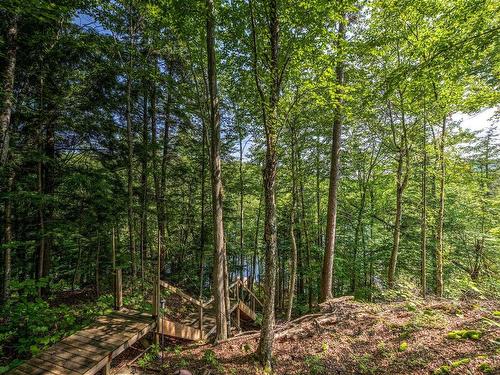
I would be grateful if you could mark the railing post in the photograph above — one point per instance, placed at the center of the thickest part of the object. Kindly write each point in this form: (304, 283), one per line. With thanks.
(156, 311)
(117, 288)
(201, 320)
(238, 302)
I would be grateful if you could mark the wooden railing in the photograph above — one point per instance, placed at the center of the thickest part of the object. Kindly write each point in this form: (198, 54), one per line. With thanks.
(240, 289)
(197, 302)
(240, 292)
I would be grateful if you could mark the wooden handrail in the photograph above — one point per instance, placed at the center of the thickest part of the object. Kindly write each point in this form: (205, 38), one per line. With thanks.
(234, 284)
(205, 305)
(179, 292)
(251, 293)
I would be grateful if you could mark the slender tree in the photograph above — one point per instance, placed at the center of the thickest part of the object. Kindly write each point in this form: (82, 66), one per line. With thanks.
(440, 218)
(216, 176)
(331, 223)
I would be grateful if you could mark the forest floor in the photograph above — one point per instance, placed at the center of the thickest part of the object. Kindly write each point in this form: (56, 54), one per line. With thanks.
(348, 337)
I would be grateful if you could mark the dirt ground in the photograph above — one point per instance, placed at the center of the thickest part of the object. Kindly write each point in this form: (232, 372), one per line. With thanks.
(350, 337)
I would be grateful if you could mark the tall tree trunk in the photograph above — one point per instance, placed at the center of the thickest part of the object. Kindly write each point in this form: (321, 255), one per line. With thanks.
(357, 233)
(242, 195)
(49, 188)
(270, 231)
(318, 195)
(403, 165)
(256, 244)
(440, 220)
(163, 183)
(144, 183)
(130, 148)
(203, 228)
(160, 173)
(77, 273)
(423, 214)
(97, 265)
(305, 234)
(216, 176)
(396, 234)
(7, 256)
(8, 88)
(327, 273)
(293, 252)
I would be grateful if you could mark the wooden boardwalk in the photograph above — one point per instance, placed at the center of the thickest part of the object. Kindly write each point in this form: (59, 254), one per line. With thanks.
(91, 349)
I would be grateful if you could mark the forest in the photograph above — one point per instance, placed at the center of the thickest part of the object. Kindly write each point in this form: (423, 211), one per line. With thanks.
(323, 156)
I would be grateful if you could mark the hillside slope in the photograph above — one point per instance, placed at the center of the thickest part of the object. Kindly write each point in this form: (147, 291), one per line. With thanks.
(349, 337)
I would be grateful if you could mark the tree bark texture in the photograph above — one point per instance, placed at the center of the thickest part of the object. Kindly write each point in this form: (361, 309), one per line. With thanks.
(216, 177)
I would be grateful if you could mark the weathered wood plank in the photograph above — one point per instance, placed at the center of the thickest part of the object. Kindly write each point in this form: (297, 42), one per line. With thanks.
(66, 355)
(26, 368)
(246, 311)
(113, 330)
(64, 363)
(51, 367)
(90, 345)
(179, 330)
(132, 340)
(80, 351)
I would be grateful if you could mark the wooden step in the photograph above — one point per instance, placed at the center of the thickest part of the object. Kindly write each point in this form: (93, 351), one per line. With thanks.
(179, 330)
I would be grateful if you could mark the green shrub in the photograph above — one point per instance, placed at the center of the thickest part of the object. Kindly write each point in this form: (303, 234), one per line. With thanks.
(30, 324)
(211, 360)
(315, 365)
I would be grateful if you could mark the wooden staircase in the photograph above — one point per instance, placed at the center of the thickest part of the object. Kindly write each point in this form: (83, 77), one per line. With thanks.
(199, 322)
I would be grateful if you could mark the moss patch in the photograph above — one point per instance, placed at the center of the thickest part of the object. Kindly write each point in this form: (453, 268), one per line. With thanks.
(443, 370)
(485, 368)
(460, 362)
(464, 334)
(403, 346)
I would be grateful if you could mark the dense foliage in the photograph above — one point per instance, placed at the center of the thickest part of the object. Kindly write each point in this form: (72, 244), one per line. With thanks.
(107, 131)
